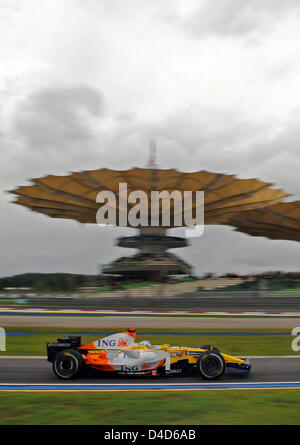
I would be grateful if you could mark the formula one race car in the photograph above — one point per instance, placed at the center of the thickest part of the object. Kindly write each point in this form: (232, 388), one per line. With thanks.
(120, 354)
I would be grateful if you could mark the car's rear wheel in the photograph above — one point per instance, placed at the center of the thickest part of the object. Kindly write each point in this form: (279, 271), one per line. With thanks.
(211, 365)
(209, 347)
(68, 364)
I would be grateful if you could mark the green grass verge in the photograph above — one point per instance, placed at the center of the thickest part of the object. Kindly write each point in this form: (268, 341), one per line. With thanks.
(270, 407)
(285, 291)
(241, 345)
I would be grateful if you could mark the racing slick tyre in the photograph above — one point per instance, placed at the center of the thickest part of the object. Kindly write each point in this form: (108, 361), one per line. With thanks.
(68, 364)
(211, 365)
(209, 347)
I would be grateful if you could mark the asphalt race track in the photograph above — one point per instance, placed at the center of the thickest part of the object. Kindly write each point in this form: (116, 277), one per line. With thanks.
(39, 371)
(267, 372)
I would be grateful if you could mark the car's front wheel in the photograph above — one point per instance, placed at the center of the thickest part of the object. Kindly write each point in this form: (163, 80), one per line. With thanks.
(68, 364)
(211, 365)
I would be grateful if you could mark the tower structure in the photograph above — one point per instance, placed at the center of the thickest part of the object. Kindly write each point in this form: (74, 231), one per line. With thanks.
(154, 259)
(74, 196)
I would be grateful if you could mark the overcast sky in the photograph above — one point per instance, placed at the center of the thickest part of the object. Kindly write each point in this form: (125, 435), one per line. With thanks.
(85, 84)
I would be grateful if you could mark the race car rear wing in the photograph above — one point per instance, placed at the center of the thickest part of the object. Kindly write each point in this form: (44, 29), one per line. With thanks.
(69, 342)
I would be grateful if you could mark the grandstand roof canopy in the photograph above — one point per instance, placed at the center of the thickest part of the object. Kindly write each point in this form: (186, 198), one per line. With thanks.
(74, 196)
(279, 221)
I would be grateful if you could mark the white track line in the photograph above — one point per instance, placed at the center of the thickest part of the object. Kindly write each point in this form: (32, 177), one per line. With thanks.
(150, 384)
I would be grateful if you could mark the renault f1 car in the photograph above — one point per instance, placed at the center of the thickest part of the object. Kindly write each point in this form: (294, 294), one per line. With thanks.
(120, 354)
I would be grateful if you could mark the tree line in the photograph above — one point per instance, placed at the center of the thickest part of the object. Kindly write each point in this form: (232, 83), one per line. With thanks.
(52, 281)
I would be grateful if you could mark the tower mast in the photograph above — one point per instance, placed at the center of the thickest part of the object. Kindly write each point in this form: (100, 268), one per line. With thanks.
(152, 154)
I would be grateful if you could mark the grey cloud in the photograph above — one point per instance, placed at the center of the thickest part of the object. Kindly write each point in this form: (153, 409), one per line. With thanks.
(237, 18)
(34, 243)
(224, 142)
(52, 130)
(207, 139)
(10, 5)
(57, 117)
(221, 249)
(208, 129)
(189, 139)
(58, 129)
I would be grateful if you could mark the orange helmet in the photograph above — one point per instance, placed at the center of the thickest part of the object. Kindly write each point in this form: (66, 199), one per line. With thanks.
(132, 333)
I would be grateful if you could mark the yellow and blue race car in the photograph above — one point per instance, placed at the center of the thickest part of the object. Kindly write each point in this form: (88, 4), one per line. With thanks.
(121, 354)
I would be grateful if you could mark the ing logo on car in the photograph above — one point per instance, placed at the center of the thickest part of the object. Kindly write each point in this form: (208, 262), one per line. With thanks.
(106, 343)
(129, 368)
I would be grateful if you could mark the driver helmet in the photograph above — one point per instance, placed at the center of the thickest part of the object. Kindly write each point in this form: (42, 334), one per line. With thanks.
(132, 333)
(145, 343)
